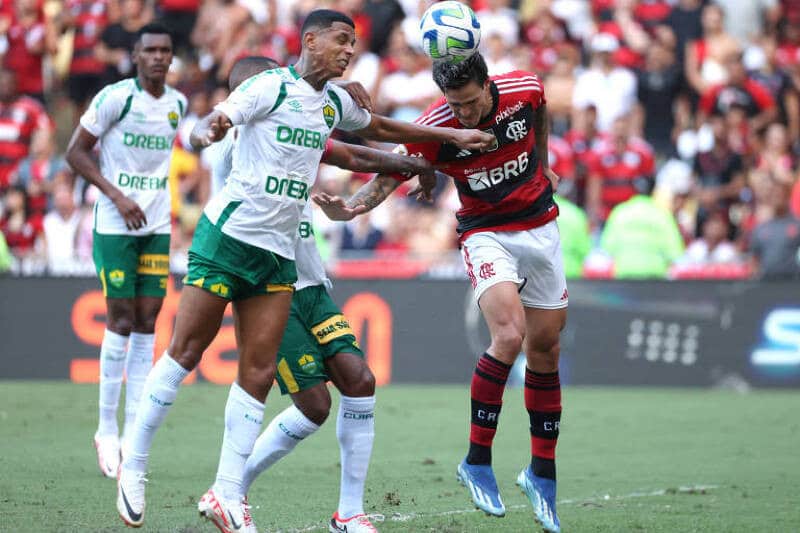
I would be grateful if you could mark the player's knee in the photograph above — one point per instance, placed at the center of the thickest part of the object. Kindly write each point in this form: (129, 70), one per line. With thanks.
(507, 341)
(316, 408)
(544, 348)
(361, 385)
(145, 324)
(120, 323)
(259, 375)
(186, 354)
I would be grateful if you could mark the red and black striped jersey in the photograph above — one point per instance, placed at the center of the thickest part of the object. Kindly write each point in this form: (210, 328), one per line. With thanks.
(18, 120)
(502, 189)
(90, 18)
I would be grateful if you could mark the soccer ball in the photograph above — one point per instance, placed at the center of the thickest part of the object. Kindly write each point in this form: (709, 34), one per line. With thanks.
(450, 32)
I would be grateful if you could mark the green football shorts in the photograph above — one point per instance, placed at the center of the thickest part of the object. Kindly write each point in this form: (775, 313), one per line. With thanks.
(233, 269)
(316, 330)
(130, 266)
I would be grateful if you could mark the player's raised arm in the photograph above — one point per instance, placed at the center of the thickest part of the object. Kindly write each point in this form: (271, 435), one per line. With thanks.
(389, 130)
(362, 159)
(79, 157)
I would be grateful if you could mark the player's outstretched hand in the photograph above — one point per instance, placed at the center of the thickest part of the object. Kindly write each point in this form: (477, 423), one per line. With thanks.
(357, 92)
(335, 207)
(210, 130)
(473, 139)
(552, 176)
(131, 212)
(423, 192)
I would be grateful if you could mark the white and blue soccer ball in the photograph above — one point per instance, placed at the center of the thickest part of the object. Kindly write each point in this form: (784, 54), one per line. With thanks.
(450, 32)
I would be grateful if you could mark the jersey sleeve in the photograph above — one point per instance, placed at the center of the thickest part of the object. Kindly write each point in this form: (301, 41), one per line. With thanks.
(353, 117)
(254, 99)
(106, 109)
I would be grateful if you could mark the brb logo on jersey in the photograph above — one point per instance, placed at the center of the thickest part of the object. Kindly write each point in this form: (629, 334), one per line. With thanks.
(516, 130)
(485, 179)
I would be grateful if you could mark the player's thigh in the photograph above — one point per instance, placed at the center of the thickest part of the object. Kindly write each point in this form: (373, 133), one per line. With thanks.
(542, 337)
(299, 361)
(198, 320)
(505, 317)
(152, 268)
(541, 265)
(116, 260)
(261, 322)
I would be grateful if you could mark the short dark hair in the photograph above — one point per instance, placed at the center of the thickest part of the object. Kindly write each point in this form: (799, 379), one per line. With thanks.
(153, 28)
(247, 67)
(456, 75)
(324, 18)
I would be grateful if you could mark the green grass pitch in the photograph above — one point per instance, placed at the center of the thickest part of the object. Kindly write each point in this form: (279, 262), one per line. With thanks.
(629, 460)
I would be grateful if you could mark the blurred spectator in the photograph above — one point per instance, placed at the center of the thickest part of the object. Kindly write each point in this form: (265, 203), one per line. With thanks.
(381, 16)
(615, 169)
(20, 117)
(61, 232)
(705, 57)
(88, 19)
(778, 82)
(548, 40)
(719, 172)
(40, 170)
(775, 156)
(116, 43)
(497, 53)
(746, 19)
(586, 141)
(609, 88)
(408, 91)
(498, 17)
(22, 231)
(685, 23)
(713, 246)
(27, 43)
(359, 234)
(573, 225)
(775, 244)
(741, 91)
(642, 238)
(180, 17)
(659, 83)
(560, 84)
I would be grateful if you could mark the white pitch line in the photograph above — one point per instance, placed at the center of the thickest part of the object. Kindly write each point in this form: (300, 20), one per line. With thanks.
(400, 517)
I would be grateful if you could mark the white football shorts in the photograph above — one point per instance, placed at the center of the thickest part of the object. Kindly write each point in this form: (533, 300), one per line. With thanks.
(532, 259)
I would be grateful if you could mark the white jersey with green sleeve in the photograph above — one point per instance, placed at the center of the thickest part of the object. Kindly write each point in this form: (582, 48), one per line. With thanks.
(136, 131)
(309, 265)
(282, 124)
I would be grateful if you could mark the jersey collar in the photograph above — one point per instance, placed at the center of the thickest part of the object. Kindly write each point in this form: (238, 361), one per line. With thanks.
(294, 72)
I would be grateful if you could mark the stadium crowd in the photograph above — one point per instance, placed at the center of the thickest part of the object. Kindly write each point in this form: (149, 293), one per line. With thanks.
(675, 126)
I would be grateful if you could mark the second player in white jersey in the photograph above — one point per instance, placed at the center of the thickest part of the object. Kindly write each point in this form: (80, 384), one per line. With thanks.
(136, 132)
(283, 124)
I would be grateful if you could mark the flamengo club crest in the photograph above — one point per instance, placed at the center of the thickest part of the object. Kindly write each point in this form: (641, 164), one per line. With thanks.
(173, 119)
(516, 130)
(330, 114)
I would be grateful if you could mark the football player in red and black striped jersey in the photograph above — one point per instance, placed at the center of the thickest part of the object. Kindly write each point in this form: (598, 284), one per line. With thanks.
(511, 248)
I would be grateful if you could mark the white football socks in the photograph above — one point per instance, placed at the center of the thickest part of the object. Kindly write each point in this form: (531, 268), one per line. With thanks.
(158, 394)
(112, 365)
(138, 363)
(283, 433)
(243, 416)
(355, 429)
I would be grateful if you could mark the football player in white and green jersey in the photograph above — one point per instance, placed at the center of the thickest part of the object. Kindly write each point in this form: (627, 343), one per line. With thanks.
(318, 344)
(135, 121)
(243, 247)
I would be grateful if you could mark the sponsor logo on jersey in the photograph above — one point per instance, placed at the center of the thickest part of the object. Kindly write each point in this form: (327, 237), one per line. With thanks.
(147, 142)
(516, 130)
(301, 137)
(510, 169)
(295, 106)
(153, 265)
(507, 112)
(287, 187)
(116, 278)
(464, 152)
(333, 328)
(173, 119)
(142, 183)
(307, 363)
(330, 114)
